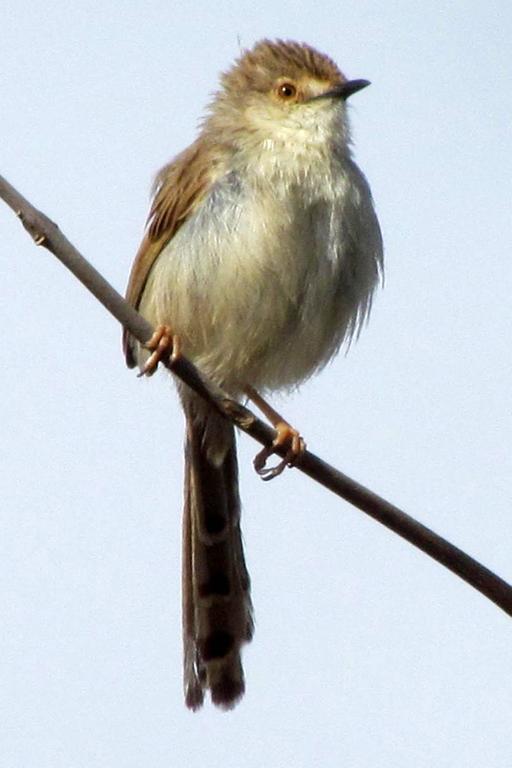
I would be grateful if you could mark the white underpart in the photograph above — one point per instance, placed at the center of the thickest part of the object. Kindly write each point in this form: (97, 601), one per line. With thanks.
(277, 267)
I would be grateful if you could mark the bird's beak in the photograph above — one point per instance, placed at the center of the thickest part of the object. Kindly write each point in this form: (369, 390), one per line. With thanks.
(344, 90)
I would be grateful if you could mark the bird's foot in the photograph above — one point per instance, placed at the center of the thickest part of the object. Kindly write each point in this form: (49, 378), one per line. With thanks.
(162, 344)
(287, 438)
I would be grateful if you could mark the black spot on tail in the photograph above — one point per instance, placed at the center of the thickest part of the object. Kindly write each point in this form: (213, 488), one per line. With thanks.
(217, 645)
(214, 522)
(217, 584)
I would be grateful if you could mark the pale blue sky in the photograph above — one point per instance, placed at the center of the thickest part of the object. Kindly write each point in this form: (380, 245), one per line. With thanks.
(366, 653)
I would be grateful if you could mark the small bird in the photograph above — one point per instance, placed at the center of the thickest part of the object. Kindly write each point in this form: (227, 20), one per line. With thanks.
(260, 259)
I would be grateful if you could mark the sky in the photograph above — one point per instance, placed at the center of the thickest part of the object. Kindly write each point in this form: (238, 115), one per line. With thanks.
(366, 652)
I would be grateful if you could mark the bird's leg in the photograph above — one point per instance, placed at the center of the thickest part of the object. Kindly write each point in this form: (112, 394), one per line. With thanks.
(287, 437)
(162, 344)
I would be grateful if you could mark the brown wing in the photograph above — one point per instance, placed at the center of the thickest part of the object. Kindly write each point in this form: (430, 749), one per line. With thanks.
(179, 188)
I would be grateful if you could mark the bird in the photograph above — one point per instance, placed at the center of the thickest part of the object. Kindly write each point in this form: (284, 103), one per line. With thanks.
(260, 259)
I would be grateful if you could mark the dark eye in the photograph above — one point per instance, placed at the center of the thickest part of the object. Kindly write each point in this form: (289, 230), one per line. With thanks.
(286, 90)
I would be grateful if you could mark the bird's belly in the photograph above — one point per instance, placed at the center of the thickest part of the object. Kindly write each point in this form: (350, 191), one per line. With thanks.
(257, 298)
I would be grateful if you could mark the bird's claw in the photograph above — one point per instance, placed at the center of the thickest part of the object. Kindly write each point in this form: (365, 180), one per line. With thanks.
(288, 437)
(162, 344)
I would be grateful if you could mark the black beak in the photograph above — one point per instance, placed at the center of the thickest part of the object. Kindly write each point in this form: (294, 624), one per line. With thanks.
(344, 90)
(351, 86)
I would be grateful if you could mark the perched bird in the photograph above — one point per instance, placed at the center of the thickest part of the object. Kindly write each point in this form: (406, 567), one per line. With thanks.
(261, 255)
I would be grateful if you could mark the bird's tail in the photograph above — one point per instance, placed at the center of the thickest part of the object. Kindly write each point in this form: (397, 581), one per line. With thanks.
(217, 610)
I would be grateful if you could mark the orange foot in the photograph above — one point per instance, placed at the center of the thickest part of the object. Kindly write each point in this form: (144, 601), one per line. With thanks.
(287, 437)
(162, 345)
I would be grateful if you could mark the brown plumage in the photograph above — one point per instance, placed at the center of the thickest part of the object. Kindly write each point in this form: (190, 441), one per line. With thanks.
(179, 188)
(217, 610)
(262, 251)
(216, 604)
(259, 68)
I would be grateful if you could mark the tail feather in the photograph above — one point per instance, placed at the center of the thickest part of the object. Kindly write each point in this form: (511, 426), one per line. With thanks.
(217, 611)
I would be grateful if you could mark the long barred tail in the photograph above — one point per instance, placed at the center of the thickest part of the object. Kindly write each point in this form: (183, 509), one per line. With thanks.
(217, 610)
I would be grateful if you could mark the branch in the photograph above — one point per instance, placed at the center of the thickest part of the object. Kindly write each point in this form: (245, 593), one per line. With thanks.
(46, 233)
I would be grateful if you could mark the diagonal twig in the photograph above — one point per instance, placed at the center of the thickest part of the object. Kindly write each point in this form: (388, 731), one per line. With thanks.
(46, 233)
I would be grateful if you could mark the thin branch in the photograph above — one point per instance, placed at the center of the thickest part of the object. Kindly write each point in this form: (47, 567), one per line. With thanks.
(46, 233)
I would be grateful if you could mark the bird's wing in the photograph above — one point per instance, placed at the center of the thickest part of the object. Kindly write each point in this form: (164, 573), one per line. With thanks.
(179, 189)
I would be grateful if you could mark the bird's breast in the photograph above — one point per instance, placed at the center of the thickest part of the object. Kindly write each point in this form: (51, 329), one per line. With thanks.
(263, 281)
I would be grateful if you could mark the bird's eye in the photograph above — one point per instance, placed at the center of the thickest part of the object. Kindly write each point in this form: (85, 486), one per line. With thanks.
(286, 91)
